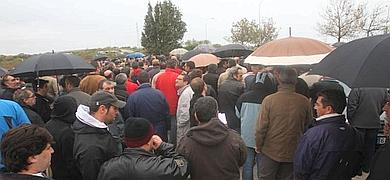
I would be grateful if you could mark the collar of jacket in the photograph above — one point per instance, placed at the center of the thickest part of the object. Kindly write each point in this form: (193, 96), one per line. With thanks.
(74, 89)
(145, 85)
(286, 88)
(180, 91)
(137, 151)
(335, 119)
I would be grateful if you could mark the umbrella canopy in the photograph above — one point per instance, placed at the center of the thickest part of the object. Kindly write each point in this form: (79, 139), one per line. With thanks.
(360, 63)
(232, 50)
(202, 60)
(100, 58)
(52, 64)
(290, 51)
(135, 55)
(178, 51)
(188, 55)
(3, 71)
(209, 48)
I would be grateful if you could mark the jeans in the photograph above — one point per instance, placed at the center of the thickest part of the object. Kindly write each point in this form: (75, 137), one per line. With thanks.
(251, 159)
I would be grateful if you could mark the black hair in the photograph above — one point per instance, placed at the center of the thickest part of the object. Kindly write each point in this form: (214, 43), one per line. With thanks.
(143, 77)
(231, 63)
(195, 73)
(190, 64)
(334, 98)
(206, 108)
(74, 81)
(212, 68)
(20, 143)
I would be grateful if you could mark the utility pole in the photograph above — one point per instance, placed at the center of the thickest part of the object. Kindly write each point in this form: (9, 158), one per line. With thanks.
(137, 35)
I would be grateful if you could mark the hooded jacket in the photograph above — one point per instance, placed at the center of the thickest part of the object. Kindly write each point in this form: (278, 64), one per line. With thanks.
(60, 127)
(213, 151)
(248, 106)
(93, 144)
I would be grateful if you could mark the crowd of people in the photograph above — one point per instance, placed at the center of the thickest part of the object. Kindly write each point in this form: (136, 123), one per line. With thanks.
(161, 118)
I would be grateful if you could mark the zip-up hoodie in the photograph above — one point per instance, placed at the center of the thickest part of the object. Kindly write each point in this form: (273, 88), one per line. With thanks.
(214, 151)
(93, 143)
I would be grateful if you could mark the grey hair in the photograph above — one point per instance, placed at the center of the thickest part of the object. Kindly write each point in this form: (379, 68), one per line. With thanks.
(22, 94)
(121, 78)
(288, 75)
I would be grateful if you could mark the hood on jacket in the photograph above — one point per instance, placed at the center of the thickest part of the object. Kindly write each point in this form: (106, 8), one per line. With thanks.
(209, 134)
(64, 109)
(84, 117)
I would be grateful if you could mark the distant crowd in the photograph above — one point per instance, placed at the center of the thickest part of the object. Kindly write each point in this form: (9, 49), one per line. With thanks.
(161, 118)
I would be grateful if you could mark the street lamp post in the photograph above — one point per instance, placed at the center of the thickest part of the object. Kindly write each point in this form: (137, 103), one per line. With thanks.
(206, 26)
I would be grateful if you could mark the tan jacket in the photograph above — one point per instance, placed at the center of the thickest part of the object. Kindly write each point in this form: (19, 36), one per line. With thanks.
(281, 123)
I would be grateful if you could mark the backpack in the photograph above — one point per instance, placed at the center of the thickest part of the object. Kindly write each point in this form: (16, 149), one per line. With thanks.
(349, 160)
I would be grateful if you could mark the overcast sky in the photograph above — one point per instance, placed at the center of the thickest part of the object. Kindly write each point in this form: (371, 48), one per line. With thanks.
(36, 26)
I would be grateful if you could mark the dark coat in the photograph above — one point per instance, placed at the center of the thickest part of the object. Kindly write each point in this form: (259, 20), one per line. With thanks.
(228, 93)
(42, 107)
(321, 146)
(121, 92)
(365, 107)
(92, 147)
(147, 103)
(211, 79)
(33, 116)
(136, 163)
(60, 127)
(7, 93)
(14, 176)
(380, 164)
(214, 151)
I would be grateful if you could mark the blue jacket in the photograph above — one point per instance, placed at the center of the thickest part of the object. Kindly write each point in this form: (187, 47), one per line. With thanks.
(321, 146)
(147, 103)
(15, 112)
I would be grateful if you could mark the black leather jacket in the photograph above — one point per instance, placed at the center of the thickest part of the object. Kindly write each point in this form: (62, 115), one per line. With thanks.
(136, 163)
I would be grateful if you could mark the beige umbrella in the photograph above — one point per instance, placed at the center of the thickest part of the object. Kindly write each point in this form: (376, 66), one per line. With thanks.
(202, 60)
(290, 51)
(178, 51)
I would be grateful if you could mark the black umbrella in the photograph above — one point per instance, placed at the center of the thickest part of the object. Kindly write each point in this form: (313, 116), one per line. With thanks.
(360, 63)
(3, 71)
(232, 50)
(188, 55)
(100, 58)
(52, 64)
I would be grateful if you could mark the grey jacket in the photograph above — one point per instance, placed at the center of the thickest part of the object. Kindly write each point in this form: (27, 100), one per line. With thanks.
(365, 107)
(80, 96)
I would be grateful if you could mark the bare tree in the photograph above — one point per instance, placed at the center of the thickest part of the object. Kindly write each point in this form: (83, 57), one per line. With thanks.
(341, 19)
(374, 21)
(249, 33)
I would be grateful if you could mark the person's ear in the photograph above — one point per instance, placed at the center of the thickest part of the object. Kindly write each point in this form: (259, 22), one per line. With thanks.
(196, 119)
(32, 160)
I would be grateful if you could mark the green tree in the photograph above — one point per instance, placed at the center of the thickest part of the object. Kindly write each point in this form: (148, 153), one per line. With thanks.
(163, 28)
(249, 33)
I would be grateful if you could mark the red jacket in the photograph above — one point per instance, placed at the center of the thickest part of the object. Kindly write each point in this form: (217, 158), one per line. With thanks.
(166, 84)
(131, 87)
